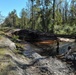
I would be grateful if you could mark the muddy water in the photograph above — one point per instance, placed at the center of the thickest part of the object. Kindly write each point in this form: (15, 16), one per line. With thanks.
(63, 47)
(46, 49)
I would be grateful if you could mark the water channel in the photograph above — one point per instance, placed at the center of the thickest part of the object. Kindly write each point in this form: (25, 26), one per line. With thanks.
(47, 50)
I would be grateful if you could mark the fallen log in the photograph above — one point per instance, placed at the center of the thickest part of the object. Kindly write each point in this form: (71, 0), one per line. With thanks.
(34, 36)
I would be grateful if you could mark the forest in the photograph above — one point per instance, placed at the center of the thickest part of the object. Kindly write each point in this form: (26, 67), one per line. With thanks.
(52, 16)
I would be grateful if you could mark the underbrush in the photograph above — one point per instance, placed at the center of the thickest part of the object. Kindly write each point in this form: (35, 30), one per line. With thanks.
(15, 38)
(5, 29)
(65, 29)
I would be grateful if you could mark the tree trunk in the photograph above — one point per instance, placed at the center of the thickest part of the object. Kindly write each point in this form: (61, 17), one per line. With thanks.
(53, 16)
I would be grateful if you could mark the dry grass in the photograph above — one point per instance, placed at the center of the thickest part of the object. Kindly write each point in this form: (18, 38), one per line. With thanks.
(7, 65)
(1, 37)
(3, 51)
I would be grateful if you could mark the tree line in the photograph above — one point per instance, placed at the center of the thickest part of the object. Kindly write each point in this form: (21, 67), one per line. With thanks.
(53, 16)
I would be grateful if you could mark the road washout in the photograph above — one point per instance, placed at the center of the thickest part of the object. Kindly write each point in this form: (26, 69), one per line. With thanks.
(30, 62)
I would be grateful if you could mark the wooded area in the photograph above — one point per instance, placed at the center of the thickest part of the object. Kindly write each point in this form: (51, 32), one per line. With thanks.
(41, 40)
(52, 16)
